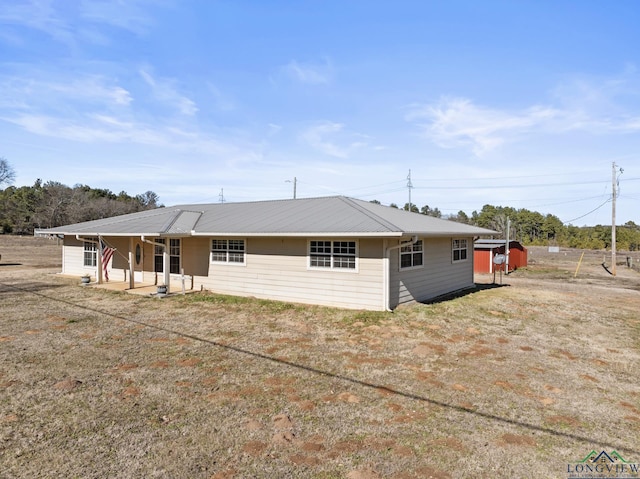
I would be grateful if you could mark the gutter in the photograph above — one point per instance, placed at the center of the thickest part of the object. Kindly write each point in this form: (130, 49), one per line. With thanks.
(386, 272)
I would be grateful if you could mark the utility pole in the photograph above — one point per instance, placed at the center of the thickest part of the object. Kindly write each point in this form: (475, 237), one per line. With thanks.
(613, 218)
(221, 195)
(614, 194)
(295, 183)
(506, 246)
(409, 186)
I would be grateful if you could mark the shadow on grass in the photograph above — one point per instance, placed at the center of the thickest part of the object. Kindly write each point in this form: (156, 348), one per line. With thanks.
(341, 377)
(29, 287)
(464, 292)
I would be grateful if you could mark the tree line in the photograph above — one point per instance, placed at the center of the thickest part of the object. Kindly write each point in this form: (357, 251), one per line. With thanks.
(535, 229)
(51, 204)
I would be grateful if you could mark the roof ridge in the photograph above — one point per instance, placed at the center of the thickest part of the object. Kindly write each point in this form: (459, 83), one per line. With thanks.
(272, 200)
(370, 214)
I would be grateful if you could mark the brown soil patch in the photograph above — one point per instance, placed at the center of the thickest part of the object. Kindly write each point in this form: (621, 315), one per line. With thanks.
(226, 474)
(254, 448)
(568, 355)
(365, 473)
(189, 362)
(427, 349)
(67, 384)
(516, 440)
(563, 420)
(631, 407)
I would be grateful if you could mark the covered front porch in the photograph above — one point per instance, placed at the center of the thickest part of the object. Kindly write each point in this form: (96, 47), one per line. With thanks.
(176, 286)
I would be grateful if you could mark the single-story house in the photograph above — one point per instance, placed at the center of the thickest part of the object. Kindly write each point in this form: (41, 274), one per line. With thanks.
(334, 251)
(485, 250)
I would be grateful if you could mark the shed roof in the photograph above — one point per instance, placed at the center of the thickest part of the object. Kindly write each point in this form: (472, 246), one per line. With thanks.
(484, 243)
(326, 216)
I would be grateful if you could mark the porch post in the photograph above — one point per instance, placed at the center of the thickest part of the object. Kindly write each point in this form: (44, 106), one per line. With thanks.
(131, 268)
(165, 264)
(99, 262)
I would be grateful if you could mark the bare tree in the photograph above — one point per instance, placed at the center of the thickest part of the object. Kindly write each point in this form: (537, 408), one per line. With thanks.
(7, 173)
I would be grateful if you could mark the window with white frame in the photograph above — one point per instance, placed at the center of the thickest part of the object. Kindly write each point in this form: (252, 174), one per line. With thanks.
(411, 255)
(459, 250)
(228, 251)
(332, 254)
(174, 255)
(90, 254)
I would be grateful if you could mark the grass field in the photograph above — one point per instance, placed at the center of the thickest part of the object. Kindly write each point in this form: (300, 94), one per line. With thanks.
(517, 380)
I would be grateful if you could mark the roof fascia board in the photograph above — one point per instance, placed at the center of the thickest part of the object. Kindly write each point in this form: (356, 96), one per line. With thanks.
(304, 235)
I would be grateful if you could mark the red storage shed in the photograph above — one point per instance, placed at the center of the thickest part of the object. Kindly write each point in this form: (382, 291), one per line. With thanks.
(484, 251)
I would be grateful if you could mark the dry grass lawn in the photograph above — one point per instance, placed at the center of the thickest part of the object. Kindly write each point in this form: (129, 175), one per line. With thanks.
(516, 381)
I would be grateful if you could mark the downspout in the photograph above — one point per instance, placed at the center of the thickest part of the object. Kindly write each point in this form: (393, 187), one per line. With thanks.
(386, 286)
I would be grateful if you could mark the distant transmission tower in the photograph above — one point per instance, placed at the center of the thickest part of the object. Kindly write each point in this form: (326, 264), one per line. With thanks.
(221, 196)
(409, 186)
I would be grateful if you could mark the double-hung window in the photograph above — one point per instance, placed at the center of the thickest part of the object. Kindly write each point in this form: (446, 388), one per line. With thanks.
(411, 255)
(459, 250)
(332, 254)
(228, 251)
(174, 255)
(90, 254)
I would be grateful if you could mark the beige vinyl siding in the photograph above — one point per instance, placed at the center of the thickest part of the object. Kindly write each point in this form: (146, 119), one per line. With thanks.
(438, 276)
(277, 268)
(73, 258)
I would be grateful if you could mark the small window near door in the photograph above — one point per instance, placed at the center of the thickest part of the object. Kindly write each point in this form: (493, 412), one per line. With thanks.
(90, 254)
(174, 255)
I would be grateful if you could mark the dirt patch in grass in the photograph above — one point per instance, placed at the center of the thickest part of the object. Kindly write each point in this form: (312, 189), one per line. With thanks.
(529, 376)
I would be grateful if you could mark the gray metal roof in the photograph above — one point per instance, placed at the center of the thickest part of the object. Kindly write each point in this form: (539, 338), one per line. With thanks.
(327, 216)
(489, 243)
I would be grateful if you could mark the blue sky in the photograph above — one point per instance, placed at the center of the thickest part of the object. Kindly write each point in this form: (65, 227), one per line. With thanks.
(513, 103)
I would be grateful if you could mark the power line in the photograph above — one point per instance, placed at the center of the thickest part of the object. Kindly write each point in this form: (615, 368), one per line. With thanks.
(587, 214)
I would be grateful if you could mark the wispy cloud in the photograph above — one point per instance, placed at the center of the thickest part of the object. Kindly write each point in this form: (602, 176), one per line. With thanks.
(128, 15)
(331, 139)
(597, 106)
(165, 90)
(455, 122)
(221, 101)
(309, 73)
(73, 23)
(40, 15)
(37, 91)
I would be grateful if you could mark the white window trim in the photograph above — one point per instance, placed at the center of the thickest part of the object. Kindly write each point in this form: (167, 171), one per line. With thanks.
(227, 262)
(332, 268)
(409, 268)
(93, 251)
(167, 246)
(459, 249)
